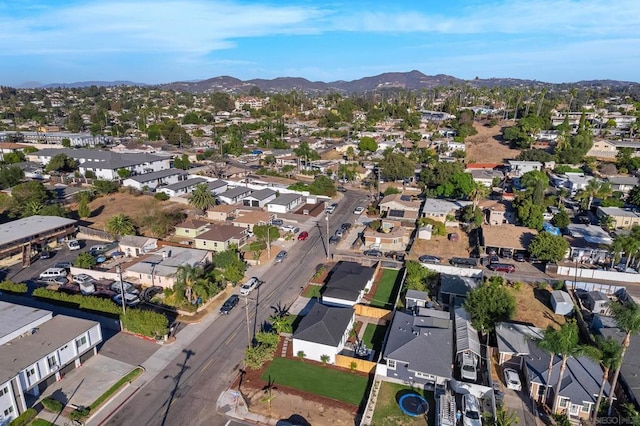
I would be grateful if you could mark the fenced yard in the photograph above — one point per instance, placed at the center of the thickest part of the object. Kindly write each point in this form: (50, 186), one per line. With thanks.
(388, 413)
(386, 290)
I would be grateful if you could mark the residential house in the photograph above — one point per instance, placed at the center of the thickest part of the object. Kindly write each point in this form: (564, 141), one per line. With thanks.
(181, 188)
(513, 343)
(221, 237)
(400, 207)
(191, 228)
(38, 349)
(419, 347)
(159, 268)
(222, 212)
(134, 246)
(151, 181)
(486, 177)
(10, 147)
(234, 195)
(259, 198)
(284, 203)
(623, 184)
(105, 164)
(590, 233)
(579, 387)
(518, 168)
(603, 149)
(391, 236)
(324, 331)
(217, 186)
(454, 289)
(467, 340)
(629, 378)
(56, 138)
(597, 302)
(248, 219)
(415, 299)
(347, 284)
(498, 212)
(622, 218)
(440, 210)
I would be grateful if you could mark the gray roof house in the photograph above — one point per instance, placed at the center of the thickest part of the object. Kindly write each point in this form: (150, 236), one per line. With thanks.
(323, 331)
(284, 203)
(623, 184)
(629, 378)
(234, 195)
(217, 186)
(579, 387)
(259, 198)
(454, 289)
(154, 179)
(436, 209)
(419, 349)
(182, 187)
(513, 342)
(347, 284)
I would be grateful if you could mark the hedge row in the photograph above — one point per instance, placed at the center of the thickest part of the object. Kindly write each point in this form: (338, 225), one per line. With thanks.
(24, 418)
(91, 303)
(12, 287)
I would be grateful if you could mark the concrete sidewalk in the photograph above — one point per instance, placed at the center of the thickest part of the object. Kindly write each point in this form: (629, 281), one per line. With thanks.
(232, 404)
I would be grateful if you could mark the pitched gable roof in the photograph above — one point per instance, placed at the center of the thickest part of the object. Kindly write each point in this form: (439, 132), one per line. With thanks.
(221, 233)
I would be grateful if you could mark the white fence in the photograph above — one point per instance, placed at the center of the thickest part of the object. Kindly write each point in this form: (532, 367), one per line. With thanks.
(604, 288)
(454, 270)
(598, 274)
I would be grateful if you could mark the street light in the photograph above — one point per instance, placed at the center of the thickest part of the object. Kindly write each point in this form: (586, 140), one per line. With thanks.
(119, 272)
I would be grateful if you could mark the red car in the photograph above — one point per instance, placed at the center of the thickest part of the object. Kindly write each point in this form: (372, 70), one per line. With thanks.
(303, 236)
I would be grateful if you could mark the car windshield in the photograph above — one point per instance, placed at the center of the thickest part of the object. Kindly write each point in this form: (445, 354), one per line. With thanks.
(469, 368)
(472, 415)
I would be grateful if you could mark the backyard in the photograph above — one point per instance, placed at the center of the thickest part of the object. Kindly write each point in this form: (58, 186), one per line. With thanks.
(373, 337)
(388, 413)
(533, 306)
(317, 379)
(386, 289)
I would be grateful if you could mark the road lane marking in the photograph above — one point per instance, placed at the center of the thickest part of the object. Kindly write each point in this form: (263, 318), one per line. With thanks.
(230, 338)
(206, 366)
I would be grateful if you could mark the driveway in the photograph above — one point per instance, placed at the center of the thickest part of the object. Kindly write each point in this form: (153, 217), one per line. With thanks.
(519, 403)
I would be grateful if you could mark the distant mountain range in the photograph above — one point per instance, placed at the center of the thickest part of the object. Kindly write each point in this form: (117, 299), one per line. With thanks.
(412, 80)
(78, 84)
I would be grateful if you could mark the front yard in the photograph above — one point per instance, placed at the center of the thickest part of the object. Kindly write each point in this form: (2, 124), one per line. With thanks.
(386, 290)
(317, 379)
(388, 413)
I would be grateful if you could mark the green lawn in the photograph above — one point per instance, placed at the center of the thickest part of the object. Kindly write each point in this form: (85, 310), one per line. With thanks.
(387, 289)
(387, 412)
(374, 336)
(312, 291)
(318, 380)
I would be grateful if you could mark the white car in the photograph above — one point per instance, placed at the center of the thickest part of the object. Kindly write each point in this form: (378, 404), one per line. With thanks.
(358, 210)
(471, 407)
(128, 288)
(512, 379)
(249, 286)
(73, 245)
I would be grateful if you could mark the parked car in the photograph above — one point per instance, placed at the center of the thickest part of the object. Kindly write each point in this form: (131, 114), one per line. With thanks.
(519, 257)
(345, 226)
(303, 236)
(468, 367)
(249, 286)
(282, 255)
(82, 278)
(506, 253)
(453, 236)
(229, 304)
(104, 294)
(341, 189)
(94, 250)
(290, 228)
(467, 262)
(494, 259)
(358, 210)
(427, 258)
(54, 280)
(339, 233)
(512, 379)
(128, 288)
(54, 272)
(334, 239)
(46, 254)
(584, 220)
(330, 210)
(471, 407)
(492, 251)
(131, 300)
(69, 288)
(73, 245)
(277, 222)
(63, 265)
(502, 267)
(149, 292)
(372, 253)
(397, 255)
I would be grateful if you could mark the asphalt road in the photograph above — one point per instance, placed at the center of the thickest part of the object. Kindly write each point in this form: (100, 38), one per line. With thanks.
(187, 390)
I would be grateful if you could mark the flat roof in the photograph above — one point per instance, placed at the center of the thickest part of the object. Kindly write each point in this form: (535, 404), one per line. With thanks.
(51, 335)
(15, 317)
(508, 236)
(22, 229)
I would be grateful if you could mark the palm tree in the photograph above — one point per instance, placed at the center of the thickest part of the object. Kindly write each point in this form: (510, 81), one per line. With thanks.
(202, 198)
(119, 225)
(550, 343)
(627, 317)
(307, 154)
(478, 192)
(610, 358)
(188, 276)
(594, 189)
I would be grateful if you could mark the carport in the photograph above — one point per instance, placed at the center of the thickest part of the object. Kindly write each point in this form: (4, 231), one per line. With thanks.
(466, 336)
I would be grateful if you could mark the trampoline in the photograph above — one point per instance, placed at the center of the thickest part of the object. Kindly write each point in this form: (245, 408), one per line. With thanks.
(413, 404)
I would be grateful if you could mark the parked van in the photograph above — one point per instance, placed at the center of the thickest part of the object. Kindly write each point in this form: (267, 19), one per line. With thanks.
(54, 272)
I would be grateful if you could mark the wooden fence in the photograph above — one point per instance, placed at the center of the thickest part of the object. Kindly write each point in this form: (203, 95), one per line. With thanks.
(371, 312)
(359, 364)
(95, 233)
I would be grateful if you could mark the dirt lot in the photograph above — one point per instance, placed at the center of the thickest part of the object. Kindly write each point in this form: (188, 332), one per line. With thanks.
(440, 246)
(487, 146)
(109, 205)
(533, 307)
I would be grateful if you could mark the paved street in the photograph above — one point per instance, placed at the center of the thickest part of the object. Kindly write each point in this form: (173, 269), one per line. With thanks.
(188, 385)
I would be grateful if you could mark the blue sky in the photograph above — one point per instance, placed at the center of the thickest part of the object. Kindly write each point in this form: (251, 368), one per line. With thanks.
(160, 41)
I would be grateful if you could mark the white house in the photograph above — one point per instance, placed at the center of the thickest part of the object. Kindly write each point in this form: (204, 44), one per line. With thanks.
(518, 168)
(217, 186)
(284, 203)
(234, 195)
(37, 349)
(155, 179)
(181, 188)
(323, 332)
(260, 198)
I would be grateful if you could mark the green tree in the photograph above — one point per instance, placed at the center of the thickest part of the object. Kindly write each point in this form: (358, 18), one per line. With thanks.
(187, 277)
(13, 157)
(104, 186)
(593, 189)
(367, 143)
(548, 247)
(395, 166)
(472, 215)
(61, 163)
(124, 173)
(561, 219)
(174, 134)
(627, 317)
(528, 213)
(266, 232)
(66, 142)
(10, 176)
(202, 198)
(610, 359)
(85, 260)
(634, 196)
(83, 209)
(488, 305)
(182, 162)
(74, 122)
(304, 152)
(145, 322)
(119, 225)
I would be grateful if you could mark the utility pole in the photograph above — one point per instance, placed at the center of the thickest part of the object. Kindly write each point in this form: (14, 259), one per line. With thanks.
(269, 241)
(119, 272)
(326, 218)
(246, 310)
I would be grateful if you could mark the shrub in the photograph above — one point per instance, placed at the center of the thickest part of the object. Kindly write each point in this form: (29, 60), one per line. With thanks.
(161, 196)
(147, 323)
(438, 227)
(559, 285)
(542, 285)
(325, 359)
(79, 413)
(301, 355)
(517, 285)
(12, 287)
(52, 405)
(25, 418)
(90, 303)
